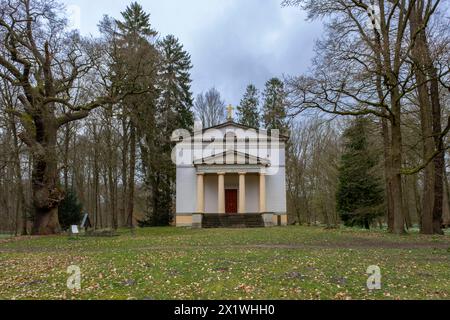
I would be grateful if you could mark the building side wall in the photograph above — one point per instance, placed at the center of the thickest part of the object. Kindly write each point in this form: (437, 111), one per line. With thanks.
(276, 192)
(252, 193)
(186, 190)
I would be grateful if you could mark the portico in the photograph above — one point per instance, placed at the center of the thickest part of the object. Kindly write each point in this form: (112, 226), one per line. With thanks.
(223, 202)
(230, 175)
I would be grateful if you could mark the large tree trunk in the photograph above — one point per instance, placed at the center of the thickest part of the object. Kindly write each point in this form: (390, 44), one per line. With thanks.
(388, 174)
(428, 198)
(430, 110)
(439, 160)
(386, 134)
(418, 54)
(396, 153)
(46, 192)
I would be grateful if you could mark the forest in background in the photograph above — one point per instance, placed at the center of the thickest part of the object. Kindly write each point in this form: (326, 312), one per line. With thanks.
(90, 119)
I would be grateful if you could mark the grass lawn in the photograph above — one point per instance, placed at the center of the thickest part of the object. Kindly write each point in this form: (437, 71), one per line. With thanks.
(274, 263)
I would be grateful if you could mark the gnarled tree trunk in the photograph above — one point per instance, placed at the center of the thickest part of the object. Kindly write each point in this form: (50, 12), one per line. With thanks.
(45, 185)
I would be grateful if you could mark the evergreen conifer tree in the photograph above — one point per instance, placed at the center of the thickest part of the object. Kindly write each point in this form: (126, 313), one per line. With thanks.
(360, 194)
(174, 111)
(176, 100)
(69, 210)
(247, 111)
(274, 108)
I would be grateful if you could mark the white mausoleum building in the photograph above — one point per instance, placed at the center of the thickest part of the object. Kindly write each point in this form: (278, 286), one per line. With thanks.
(230, 175)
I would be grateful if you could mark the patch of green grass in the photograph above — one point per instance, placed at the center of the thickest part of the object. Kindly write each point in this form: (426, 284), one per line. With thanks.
(272, 263)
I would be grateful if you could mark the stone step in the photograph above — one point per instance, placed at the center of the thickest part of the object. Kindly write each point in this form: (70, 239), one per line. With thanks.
(232, 221)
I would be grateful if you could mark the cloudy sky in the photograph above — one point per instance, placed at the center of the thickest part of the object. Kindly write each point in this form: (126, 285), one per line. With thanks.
(232, 42)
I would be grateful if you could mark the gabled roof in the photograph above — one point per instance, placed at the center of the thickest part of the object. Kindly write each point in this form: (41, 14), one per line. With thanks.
(237, 158)
(233, 124)
(240, 126)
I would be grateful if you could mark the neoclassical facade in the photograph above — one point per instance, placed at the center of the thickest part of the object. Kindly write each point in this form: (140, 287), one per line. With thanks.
(230, 175)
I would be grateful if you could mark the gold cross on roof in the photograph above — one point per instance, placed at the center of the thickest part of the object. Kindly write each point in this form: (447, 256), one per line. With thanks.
(230, 112)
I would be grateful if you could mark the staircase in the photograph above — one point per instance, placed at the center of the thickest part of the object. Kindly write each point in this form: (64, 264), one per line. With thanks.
(248, 220)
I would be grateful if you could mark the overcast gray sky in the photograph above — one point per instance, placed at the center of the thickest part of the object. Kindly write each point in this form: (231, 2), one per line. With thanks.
(232, 42)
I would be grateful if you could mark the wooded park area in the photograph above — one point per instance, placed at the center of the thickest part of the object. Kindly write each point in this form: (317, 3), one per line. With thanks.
(86, 122)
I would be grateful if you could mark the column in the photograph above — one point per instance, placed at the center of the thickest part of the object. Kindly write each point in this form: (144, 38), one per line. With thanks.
(241, 192)
(200, 193)
(221, 192)
(262, 192)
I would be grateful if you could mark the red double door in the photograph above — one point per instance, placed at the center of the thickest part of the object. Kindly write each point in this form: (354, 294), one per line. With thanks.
(231, 201)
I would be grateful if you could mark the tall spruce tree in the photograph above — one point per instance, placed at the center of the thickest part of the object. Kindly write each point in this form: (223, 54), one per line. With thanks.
(360, 194)
(176, 100)
(274, 108)
(137, 59)
(136, 23)
(247, 111)
(174, 111)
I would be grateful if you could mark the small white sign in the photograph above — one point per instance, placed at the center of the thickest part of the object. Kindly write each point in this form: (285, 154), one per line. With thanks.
(74, 229)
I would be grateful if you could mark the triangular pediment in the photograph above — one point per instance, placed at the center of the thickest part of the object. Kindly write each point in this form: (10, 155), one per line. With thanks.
(232, 157)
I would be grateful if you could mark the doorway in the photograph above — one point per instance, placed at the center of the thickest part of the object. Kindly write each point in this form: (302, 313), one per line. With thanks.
(231, 201)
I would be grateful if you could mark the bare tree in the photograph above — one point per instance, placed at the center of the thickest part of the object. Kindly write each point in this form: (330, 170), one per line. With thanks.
(312, 162)
(364, 70)
(210, 108)
(38, 56)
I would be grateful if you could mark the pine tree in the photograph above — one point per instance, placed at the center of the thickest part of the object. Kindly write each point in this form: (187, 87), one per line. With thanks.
(247, 111)
(360, 194)
(274, 109)
(175, 84)
(136, 22)
(136, 65)
(174, 111)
